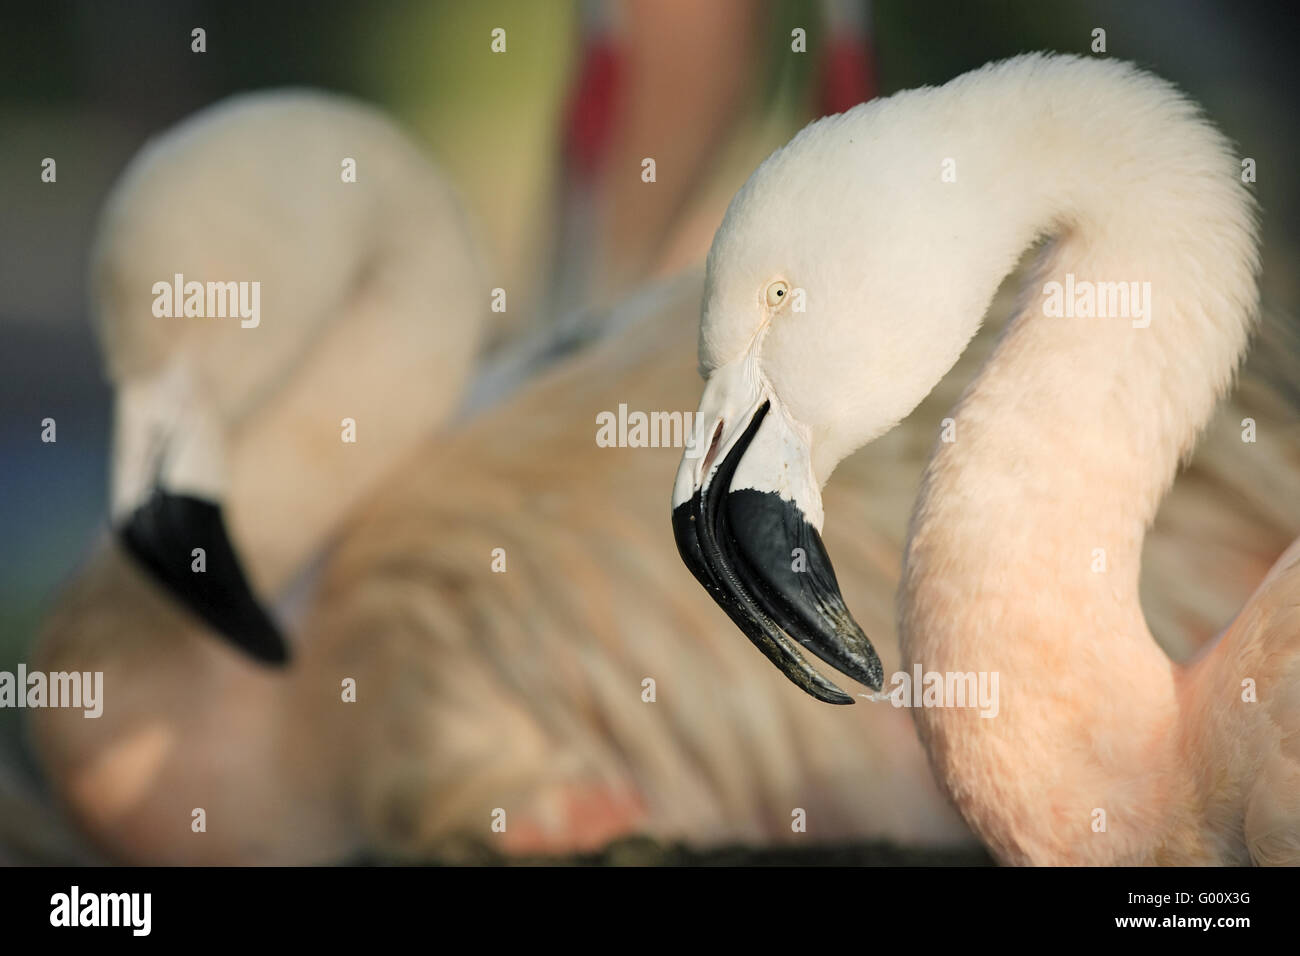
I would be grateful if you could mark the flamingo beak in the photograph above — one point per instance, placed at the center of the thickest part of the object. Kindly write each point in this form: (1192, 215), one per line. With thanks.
(741, 518)
(164, 535)
(167, 477)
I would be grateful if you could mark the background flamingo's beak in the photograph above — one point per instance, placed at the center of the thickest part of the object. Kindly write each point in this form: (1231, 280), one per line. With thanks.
(168, 480)
(163, 534)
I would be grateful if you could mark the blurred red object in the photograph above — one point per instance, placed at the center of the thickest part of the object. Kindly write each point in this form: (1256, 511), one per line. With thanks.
(848, 73)
(848, 69)
(589, 119)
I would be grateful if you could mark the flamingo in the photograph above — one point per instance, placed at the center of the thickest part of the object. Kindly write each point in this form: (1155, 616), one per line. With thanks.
(230, 438)
(205, 412)
(892, 225)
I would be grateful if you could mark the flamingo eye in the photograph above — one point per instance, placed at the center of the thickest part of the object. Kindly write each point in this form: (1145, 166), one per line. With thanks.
(777, 293)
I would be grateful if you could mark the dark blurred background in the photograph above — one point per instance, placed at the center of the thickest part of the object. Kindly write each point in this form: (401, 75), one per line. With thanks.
(526, 137)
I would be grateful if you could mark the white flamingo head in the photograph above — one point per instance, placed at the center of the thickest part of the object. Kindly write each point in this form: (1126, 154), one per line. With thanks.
(841, 287)
(857, 262)
(229, 428)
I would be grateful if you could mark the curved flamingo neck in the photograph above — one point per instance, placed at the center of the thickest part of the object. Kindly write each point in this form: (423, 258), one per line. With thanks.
(1025, 545)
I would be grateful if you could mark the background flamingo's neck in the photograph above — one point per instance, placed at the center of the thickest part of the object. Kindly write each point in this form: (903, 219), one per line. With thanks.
(1025, 545)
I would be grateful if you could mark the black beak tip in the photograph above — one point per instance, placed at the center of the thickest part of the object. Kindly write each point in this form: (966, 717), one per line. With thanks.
(832, 696)
(182, 543)
(762, 562)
